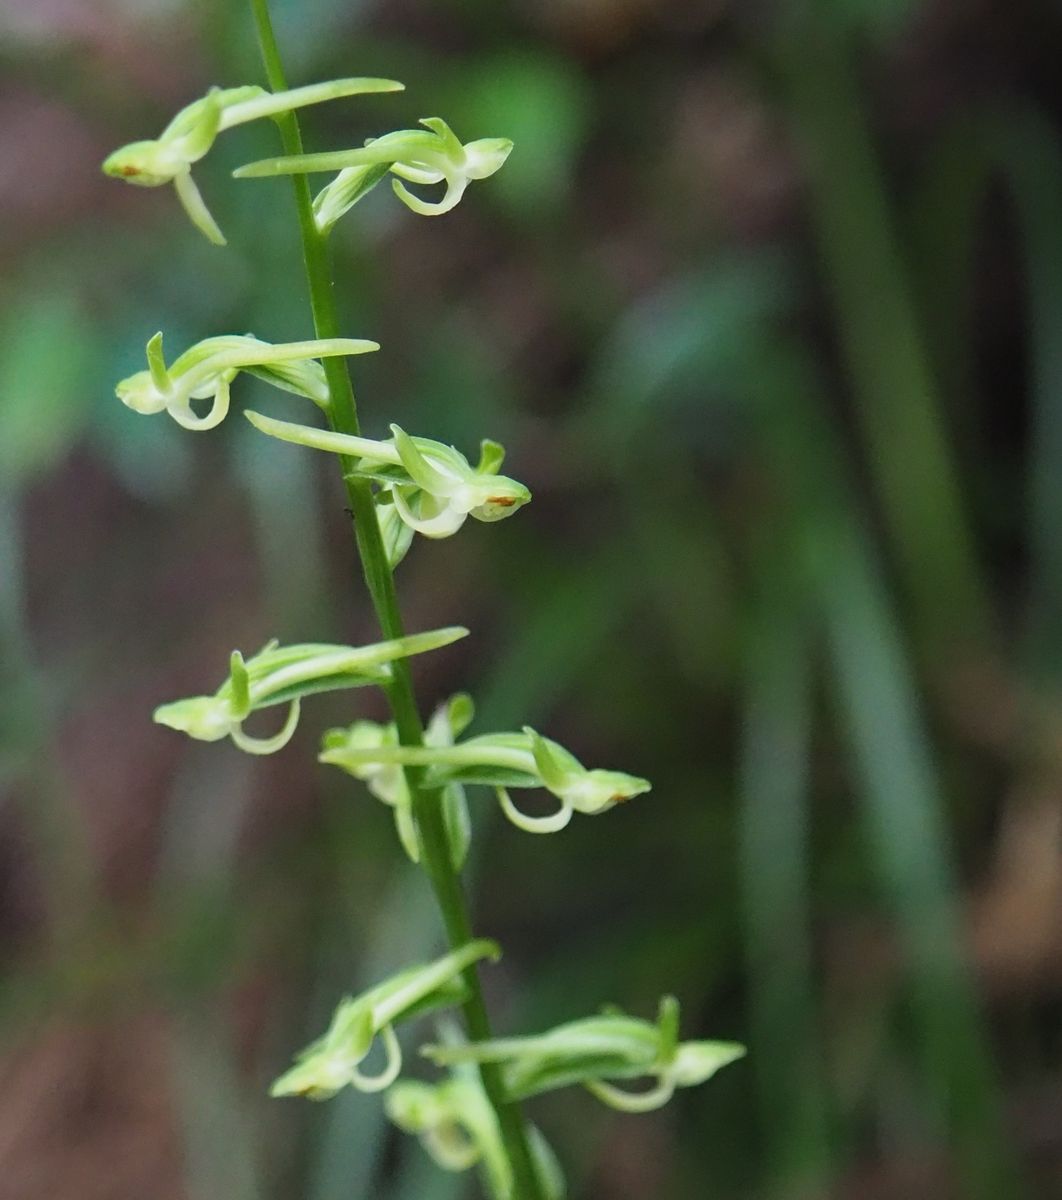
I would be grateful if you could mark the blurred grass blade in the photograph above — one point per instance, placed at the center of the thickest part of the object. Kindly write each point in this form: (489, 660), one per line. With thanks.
(219, 1135)
(897, 784)
(889, 370)
(904, 814)
(1018, 146)
(787, 1052)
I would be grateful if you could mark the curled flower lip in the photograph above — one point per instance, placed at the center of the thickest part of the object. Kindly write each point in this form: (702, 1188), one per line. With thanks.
(285, 674)
(190, 135)
(422, 156)
(433, 487)
(206, 370)
(334, 1060)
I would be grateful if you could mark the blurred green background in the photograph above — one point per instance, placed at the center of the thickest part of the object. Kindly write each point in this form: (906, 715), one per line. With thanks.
(767, 308)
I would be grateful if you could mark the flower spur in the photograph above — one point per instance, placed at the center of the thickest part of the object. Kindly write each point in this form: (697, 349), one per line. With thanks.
(423, 156)
(205, 371)
(189, 136)
(334, 1060)
(433, 487)
(284, 674)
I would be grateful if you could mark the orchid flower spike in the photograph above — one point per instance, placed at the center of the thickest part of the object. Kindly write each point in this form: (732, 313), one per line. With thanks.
(334, 1060)
(423, 156)
(458, 1128)
(190, 135)
(387, 781)
(595, 1050)
(284, 674)
(503, 761)
(206, 370)
(432, 487)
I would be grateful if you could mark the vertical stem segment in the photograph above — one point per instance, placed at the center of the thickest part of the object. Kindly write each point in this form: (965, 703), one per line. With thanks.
(343, 417)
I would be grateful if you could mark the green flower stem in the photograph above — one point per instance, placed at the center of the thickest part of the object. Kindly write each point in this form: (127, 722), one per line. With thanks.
(343, 417)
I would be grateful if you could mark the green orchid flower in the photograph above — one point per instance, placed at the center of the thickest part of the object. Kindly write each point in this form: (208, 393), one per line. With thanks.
(595, 1050)
(503, 761)
(458, 1128)
(189, 136)
(205, 371)
(285, 674)
(333, 1061)
(432, 487)
(423, 156)
(387, 781)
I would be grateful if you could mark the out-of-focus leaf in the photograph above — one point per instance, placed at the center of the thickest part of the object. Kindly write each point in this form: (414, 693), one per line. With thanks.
(540, 101)
(775, 868)
(674, 347)
(44, 390)
(1017, 146)
(220, 1136)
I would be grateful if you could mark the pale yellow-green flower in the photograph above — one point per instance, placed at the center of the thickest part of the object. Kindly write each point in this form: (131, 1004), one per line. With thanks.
(205, 371)
(427, 156)
(284, 675)
(189, 136)
(596, 1050)
(334, 1061)
(432, 487)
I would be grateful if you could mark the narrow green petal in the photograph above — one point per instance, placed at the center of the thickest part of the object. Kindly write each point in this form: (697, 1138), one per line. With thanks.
(491, 457)
(157, 363)
(241, 691)
(554, 776)
(420, 471)
(202, 125)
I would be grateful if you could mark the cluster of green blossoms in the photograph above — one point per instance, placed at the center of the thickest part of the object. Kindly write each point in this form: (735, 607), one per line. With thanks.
(418, 486)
